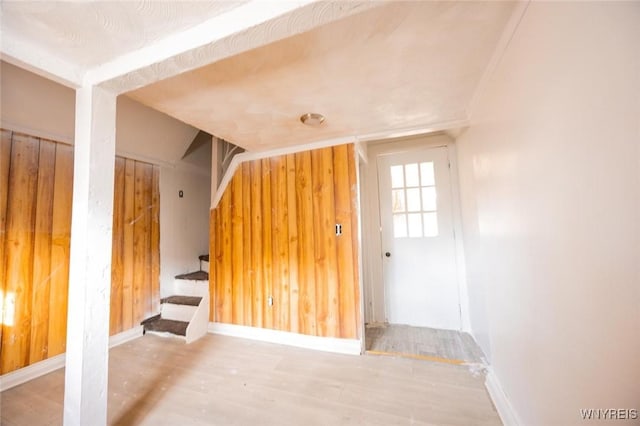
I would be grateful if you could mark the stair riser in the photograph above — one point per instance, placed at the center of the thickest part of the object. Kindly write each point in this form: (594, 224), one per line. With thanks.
(205, 266)
(177, 312)
(191, 288)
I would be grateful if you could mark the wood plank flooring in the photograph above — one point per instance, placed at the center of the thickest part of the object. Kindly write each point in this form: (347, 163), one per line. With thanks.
(423, 341)
(229, 381)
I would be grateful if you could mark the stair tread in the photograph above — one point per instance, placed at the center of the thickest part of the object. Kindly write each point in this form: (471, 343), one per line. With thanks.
(196, 276)
(182, 300)
(166, 325)
(204, 257)
(150, 319)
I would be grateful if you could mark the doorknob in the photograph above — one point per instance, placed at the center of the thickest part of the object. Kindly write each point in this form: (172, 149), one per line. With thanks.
(387, 254)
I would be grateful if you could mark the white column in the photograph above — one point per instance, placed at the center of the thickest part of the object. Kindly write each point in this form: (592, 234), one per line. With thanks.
(85, 396)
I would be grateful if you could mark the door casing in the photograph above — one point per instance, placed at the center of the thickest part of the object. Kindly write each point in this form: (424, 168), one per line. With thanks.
(372, 266)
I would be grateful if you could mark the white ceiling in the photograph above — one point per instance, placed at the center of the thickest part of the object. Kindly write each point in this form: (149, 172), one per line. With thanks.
(369, 67)
(88, 33)
(400, 65)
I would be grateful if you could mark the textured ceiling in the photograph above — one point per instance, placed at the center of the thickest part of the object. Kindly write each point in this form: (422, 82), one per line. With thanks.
(369, 67)
(91, 33)
(400, 65)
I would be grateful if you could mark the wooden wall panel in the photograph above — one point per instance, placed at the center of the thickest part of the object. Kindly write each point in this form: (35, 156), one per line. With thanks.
(247, 272)
(5, 156)
(237, 278)
(292, 212)
(140, 235)
(280, 243)
(306, 238)
(273, 235)
(216, 302)
(154, 248)
(127, 244)
(226, 297)
(355, 242)
(255, 240)
(23, 180)
(60, 249)
(267, 259)
(135, 265)
(325, 243)
(36, 187)
(38, 349)
(345, 253)
(117, 250)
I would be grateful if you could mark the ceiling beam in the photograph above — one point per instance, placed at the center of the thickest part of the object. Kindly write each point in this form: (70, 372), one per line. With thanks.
(247, 27)
(31, 58)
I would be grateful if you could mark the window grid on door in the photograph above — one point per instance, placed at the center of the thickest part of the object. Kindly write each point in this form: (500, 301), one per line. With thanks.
(414, 200)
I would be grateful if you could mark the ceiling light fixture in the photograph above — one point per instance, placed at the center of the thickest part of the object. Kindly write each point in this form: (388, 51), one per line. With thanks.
(312, 119)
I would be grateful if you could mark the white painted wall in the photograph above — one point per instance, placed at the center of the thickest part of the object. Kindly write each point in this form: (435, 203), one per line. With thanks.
(184, 222)
(40, 107)
(550, 185)
(35, 105)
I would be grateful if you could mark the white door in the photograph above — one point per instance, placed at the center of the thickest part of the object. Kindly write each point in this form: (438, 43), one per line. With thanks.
(418, 247)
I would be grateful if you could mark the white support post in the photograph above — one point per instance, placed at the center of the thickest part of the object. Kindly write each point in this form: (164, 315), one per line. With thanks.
(85, 396)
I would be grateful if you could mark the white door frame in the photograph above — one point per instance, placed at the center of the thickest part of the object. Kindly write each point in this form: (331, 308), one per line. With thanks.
(373, 285)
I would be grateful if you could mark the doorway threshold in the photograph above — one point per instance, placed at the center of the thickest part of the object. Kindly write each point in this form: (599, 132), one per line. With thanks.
(423, 343)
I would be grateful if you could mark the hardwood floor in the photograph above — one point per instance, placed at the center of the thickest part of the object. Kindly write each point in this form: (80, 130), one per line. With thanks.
(229, 381)
(430, 342)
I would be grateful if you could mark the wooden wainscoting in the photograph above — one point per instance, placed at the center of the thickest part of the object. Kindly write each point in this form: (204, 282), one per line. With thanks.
(36, 188)
(273, 236)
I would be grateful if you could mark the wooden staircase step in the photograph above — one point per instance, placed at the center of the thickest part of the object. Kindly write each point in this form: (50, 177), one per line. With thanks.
(182, 300)
(150, 319)
(196, 276)
(178, 328)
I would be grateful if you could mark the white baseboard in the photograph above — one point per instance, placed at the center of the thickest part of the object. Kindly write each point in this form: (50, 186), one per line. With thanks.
(18, 377)
(125, 336)
(500, 400)
(327, 344)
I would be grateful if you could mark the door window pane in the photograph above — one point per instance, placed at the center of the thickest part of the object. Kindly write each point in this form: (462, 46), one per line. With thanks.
(413, 199)
(411, 173)
(399, 225)
(427, 176)
(415, 225)
(429, 199)
(430, 224)
(397, 201)
(397, 177)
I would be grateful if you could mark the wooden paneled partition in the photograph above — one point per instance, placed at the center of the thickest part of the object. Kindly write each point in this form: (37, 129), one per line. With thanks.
(36, 180)
(135, 263)
(36, 187)
(276, 259)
